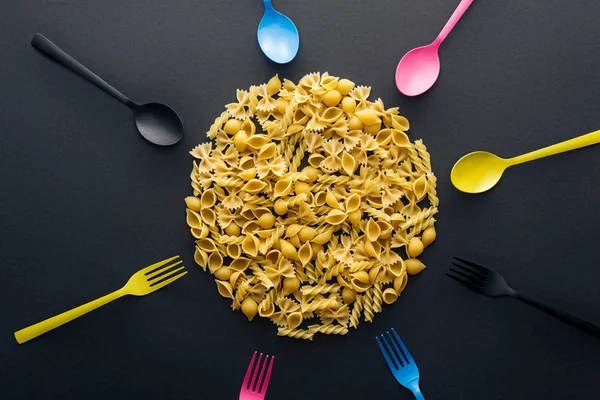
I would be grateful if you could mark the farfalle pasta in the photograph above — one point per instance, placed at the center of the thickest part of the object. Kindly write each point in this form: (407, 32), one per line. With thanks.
(311, 205)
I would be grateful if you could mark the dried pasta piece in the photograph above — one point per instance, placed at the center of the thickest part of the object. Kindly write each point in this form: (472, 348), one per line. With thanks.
(295, 333)
(320, 243)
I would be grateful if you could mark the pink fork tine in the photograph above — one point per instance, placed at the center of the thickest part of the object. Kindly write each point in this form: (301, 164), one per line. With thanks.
(248, 372)
(260, 377)
(255, 374)
(265, 385)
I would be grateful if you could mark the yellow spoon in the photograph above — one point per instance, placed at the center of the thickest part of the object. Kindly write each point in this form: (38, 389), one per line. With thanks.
(480, 171)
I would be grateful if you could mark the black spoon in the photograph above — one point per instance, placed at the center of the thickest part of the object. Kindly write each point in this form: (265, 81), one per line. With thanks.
(156, 122)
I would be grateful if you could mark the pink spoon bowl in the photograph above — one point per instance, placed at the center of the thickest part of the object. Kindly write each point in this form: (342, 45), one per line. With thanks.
(418, 70)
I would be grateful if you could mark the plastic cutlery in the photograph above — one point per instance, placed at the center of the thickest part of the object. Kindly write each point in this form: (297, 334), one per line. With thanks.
(277, 35)
(156, 122)
(491, 283)
(480, 171)
(418, 70)
(400, 362)
(254, 387)
(143, 282)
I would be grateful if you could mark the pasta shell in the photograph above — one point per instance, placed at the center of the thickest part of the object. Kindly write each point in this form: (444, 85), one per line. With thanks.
(352, 202)
(372, 230)
(273, 85)
(331, 200)
(240, 264)
(193, 203)
(268, 151)
(373, 273)
(316, 159)
(236, 279)
(283, 187)
(215, 261)
(208, 216)
(329, 82)
(193, 219)
(400, 138)
(288, 250)
(295, 241)
(247, 162)
(384, 137)
(420, 187)
(248, 174)
(360, 281)
(300, 117)
(373, 249)
(400, 283)
(266, 309)
(386, 229)
(294, 320)
(368, 116)
(335, 217)
(234, 250)
(273, 256)
(414, 266)
(354, 217)
(207, 245)
(249, 308)
(208, 199)
(323, 237)
(201, 258)
(293, 229)
(250, 227)
(257, 141)
(305, 253)
(400, 123)
(196, 233)
(254, 186)
(223, 273)
(398, 268)
(224, 289)
(320, 198)
(349, 164)
(250, 245)
(248, 127)
(307, 233)
(389, 296)
(332, 114)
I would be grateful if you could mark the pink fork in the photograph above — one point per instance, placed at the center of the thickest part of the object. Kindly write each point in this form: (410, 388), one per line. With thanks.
(254, 387)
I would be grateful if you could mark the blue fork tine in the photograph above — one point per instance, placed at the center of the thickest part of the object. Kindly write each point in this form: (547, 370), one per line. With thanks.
(405, 352)
(400, 361)
(388, 360)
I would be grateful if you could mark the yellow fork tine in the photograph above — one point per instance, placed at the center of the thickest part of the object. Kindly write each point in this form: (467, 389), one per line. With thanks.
(158, 264)
(166, 282)
(155, 273)
(170, 273)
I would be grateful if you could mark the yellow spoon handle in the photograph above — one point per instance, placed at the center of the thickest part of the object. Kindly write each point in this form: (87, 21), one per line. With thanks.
(572, 144)
(40, 328)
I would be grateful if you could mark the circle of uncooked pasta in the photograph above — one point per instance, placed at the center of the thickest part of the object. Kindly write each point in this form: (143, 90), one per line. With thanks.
(306, 192)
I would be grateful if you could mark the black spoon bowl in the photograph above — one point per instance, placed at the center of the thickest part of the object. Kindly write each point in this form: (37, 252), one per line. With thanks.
(156, 122)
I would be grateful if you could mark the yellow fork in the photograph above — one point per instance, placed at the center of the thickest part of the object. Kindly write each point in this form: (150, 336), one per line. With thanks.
(143, 282)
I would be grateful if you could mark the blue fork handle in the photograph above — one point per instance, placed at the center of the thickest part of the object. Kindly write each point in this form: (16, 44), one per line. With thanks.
(418, 394)
(417, 391)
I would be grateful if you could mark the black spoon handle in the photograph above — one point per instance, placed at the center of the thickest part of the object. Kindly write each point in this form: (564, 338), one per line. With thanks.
(56, 53)
(565, 316)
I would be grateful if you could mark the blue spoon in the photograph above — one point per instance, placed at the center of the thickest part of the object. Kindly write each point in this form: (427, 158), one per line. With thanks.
(277, 35)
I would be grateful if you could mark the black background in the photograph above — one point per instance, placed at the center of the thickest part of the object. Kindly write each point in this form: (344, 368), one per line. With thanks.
(85, 201)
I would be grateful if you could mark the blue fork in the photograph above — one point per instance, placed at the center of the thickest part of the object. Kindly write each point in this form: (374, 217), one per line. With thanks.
(400, 362)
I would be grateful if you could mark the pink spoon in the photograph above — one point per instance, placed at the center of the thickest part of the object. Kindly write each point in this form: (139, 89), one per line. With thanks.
(419, 68)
